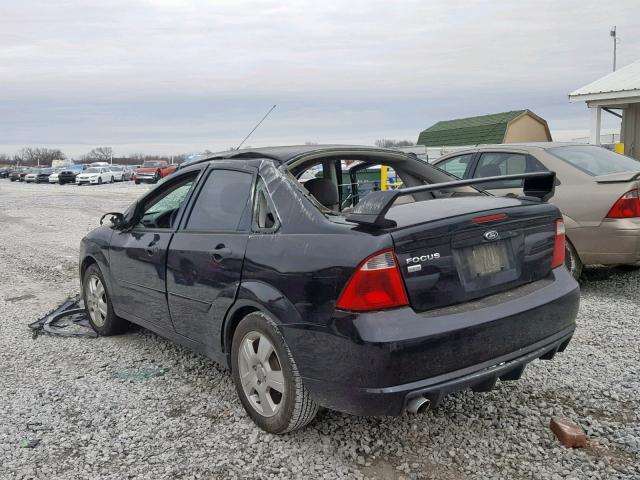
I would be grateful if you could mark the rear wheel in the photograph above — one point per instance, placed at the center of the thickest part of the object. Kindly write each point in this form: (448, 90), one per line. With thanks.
(98, 304)
(628, 268)
(572, 260)
(267, 378)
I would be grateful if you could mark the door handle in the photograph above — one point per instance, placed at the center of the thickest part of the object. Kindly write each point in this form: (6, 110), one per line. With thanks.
(220, 252)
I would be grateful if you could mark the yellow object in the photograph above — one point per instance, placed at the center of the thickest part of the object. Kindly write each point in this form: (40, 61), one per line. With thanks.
(619, 148)
(385, 184)
(383, 178)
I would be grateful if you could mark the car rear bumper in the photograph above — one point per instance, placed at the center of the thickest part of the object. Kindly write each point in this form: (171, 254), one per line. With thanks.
(372, 364)
(612, 242)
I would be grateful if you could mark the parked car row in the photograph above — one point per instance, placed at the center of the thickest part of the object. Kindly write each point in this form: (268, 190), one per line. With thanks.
(80, 174)
(93, 173)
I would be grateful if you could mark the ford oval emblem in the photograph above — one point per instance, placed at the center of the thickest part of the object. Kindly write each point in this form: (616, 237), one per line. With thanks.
(491, 235)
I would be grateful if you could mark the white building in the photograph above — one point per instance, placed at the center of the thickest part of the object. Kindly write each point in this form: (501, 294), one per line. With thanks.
(618, 94)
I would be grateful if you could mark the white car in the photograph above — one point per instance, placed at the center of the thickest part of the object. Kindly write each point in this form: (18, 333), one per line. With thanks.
(118, 172)
(53, 178)
(95, 175)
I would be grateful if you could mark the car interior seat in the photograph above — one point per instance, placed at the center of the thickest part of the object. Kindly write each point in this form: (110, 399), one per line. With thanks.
(324, 191)
(489, 170)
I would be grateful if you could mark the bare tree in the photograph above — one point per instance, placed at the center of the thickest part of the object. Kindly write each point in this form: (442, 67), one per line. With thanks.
(99, 154)
(37, 156)
(389, 143)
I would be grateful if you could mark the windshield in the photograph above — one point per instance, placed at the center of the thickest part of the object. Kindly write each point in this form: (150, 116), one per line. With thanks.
(594, 160)
(116, 169)
(151, 165)
(92, 170)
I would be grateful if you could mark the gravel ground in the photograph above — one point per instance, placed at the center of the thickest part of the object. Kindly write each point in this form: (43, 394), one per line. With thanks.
(137, 406)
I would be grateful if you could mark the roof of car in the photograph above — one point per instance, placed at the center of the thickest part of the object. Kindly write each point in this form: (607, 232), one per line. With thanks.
(285, 154)
(514, 146)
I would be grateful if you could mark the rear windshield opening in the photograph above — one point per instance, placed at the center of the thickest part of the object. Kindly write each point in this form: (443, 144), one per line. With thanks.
(337, 183)
(594, 160)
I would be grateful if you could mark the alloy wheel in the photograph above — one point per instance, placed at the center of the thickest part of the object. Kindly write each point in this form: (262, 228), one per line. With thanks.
(96, 300)
(261, 374)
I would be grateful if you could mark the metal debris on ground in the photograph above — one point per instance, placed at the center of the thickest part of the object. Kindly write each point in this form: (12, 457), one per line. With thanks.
(72, 309)
(29, 443)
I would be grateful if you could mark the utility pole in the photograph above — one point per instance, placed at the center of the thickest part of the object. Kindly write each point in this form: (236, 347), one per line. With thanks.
(111, 154)
(615, 44)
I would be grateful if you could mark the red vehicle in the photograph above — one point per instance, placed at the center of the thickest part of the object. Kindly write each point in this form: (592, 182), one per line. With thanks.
(153, 171)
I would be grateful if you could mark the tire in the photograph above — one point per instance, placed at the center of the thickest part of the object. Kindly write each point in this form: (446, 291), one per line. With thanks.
(98, 304)
(572, 260)
(627, 268)
(112, 180)
(100, 181)
(137, 182)
(295, 408)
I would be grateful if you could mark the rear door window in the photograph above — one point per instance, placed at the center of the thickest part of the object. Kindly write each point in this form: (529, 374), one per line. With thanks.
(494, 164)
(222, 202)
(456, 166)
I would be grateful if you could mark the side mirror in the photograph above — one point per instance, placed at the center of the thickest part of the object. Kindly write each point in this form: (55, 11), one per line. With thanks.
(117, 219)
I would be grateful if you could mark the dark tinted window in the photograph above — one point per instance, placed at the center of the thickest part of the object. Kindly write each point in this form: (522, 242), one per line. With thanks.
(221, 202)
(595, 160)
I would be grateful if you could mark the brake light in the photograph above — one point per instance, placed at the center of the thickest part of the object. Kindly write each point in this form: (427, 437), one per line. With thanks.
(627, 206)
(490, 218)
(559, 245)
(375, 285)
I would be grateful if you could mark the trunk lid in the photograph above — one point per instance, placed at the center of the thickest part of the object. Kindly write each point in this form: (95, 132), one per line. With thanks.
(484, 245)
(617, 177)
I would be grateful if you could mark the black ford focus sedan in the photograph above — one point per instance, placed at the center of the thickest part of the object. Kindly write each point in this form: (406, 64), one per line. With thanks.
(270, 262)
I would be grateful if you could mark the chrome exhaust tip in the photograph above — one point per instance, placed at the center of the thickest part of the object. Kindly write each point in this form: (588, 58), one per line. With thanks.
(418, 404)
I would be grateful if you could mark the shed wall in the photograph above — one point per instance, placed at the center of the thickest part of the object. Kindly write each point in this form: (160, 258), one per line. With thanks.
(526, 129)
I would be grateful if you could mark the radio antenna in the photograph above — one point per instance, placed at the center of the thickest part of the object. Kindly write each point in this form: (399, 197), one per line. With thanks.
(256, 127)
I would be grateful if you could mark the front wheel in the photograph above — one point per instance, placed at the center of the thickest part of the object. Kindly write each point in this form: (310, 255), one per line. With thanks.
(97, 302)
(112, 180)
(100, 181)
(267, 378)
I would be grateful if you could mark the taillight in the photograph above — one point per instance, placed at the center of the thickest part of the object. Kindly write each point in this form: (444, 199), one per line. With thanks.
(627, 206)
(375, 285)
(559, 245)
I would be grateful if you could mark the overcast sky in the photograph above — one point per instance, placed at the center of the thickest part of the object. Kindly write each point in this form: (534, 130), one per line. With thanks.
(169, 76)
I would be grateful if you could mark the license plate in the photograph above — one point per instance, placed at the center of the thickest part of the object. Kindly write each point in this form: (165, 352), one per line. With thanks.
(488, 258)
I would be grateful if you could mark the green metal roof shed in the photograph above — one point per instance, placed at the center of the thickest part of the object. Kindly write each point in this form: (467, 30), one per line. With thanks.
(506, 127)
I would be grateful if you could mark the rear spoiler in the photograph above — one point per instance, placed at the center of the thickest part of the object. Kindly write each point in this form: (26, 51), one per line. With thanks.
(372, 209)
